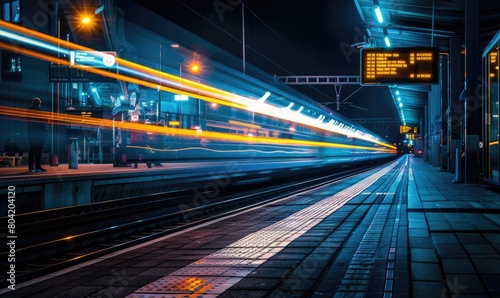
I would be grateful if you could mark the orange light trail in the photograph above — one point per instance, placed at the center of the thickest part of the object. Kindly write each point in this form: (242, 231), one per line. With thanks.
(167, 82)
(210, 94)
(64, 119)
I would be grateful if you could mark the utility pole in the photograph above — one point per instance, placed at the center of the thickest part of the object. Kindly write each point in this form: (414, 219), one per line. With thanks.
(243, 30)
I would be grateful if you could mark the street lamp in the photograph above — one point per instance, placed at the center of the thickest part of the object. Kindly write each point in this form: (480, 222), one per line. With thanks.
(81, 21)
(194, 66)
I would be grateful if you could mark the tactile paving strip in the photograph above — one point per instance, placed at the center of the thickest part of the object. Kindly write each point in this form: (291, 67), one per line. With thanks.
(357, 277)
(217, 272)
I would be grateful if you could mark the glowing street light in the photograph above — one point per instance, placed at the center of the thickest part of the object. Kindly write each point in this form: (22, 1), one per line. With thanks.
(86, 20)
(195, 67)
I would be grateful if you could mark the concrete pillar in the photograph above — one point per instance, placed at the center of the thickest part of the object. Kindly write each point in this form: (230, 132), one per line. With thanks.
(435, 124)
(473, 101)
(445, 101)
(455, 107)
(426, 133)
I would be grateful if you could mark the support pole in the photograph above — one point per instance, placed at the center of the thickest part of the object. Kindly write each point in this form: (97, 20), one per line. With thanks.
(243, 32)
(473, 100)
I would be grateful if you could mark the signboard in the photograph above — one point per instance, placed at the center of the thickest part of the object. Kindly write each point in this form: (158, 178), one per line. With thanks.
(87, 59)
(404, 129)
(85, 111)
(407, 129)
(94, 59)
(410, 65)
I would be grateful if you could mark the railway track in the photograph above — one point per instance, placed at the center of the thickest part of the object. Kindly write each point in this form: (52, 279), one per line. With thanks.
(51, 240)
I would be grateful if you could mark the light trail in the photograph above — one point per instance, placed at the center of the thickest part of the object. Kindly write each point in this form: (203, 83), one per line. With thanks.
(155, 79)
(65, 119)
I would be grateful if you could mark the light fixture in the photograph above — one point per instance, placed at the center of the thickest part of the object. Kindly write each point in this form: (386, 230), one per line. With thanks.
(387, 41)
(386, 38)
(86, 20)
(379, 14)
(264, 97)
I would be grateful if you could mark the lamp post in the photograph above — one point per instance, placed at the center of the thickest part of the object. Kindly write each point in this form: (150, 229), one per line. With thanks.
(62, 87)
(193, 66)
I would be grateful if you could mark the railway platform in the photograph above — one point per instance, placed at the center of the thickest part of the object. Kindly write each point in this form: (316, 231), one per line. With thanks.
(403, 230)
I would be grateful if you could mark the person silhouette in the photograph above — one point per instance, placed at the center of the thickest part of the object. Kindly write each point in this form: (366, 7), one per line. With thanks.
(37, 133)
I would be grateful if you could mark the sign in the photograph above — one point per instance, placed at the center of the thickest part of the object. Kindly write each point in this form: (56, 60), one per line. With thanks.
(408, 129)
(85, 112)
(404, 129)
(410, 65)
(94, 59)
(87, 59)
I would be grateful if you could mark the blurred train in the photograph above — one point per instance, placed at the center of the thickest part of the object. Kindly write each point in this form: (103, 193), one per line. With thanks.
(226, 133)
(280, 125)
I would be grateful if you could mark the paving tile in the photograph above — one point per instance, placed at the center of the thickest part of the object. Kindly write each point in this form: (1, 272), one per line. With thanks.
(491, 283)
(492, 238)
(487, 266)
(426, 289)
(426, 271)
(460, 284)
(451, 251)
(479, 248)
(471, 238)
(421, 242)
(423, 255)
(457, 266)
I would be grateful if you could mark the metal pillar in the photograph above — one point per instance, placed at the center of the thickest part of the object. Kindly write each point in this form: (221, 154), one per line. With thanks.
(445, 97)
(434, 123)
(473, 101)
(454, 111)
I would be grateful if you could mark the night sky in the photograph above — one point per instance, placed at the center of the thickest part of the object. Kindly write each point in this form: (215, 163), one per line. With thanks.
(290, 37)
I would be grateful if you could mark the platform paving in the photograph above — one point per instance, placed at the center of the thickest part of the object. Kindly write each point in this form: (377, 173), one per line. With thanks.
(411, 232)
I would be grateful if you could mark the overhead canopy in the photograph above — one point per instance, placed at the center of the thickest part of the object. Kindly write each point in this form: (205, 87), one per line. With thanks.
(423, 23)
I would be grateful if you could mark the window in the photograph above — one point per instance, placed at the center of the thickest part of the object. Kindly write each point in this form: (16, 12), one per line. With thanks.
(11, 62)
(11, 11)
(11, 66)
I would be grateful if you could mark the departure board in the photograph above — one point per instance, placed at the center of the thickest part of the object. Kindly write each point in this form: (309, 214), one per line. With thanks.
(415, 65)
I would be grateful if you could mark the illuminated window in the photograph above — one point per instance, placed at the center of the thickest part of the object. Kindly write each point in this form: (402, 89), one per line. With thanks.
(11, 66)
(11, 62)
(11, 11)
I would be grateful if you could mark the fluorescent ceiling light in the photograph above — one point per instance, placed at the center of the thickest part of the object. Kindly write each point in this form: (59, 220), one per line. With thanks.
(387, 41)
(379, 14)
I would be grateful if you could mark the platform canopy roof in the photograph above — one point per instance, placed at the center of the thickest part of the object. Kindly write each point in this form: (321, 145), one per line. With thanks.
(423, 23)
